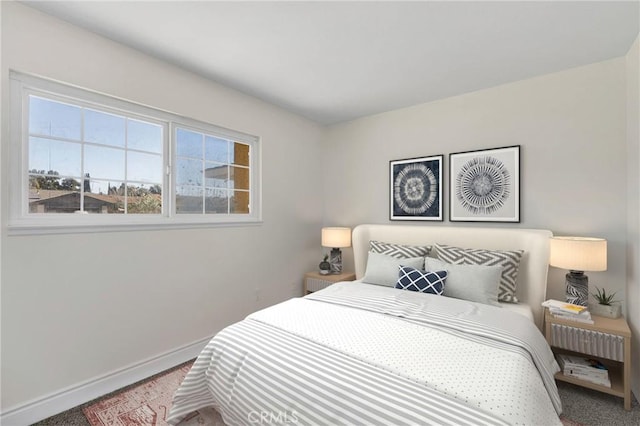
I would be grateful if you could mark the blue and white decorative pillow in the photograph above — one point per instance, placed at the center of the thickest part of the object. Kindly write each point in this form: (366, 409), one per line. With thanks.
(423, 281)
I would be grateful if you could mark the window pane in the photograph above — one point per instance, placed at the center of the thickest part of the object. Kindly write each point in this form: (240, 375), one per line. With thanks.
(189, 144)
(144, 167)
(189, 173)
(144, 136)
(240, 154)
(239, 178)
(240, 202)
(54, 118)
(216, 149)
(102, 128)
(47, 156)
(189, 202)
(102, 162)
(217, 201)
(216, 175)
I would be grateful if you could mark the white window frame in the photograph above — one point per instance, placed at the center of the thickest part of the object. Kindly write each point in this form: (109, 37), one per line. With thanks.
(21, 221)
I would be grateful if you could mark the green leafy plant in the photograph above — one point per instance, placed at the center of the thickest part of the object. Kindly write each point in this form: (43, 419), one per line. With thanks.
(603, 298)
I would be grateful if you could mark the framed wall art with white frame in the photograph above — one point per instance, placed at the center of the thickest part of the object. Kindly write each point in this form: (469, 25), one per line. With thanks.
(416, 188)
(485, 185)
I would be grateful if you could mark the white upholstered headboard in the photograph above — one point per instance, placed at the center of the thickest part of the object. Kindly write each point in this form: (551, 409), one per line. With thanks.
(532, 274)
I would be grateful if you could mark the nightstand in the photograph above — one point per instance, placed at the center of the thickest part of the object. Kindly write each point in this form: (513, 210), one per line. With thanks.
(314, 281)
(608, 340)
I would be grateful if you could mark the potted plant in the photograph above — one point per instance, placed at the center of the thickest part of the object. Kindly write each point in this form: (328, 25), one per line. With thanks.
(325, 266)
(606, 306)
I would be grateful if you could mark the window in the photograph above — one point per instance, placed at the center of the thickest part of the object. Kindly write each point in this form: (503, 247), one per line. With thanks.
(212, 174)
(92, 161)
(83, 160)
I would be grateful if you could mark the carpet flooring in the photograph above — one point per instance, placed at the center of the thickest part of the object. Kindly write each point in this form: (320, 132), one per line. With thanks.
(593, 408)
(581, 406)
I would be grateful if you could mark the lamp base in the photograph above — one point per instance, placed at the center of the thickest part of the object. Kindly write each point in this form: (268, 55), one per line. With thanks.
(335, 260)
(577, 288)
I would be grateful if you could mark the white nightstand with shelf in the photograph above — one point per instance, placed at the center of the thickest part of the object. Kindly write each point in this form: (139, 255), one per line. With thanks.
(608, 340)
(314, 281)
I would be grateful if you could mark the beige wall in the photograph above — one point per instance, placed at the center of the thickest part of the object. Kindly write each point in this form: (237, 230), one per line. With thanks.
(572, 131)
(75, 307)
(633, 196)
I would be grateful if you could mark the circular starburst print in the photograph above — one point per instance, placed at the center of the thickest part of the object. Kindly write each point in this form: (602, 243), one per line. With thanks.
(482, 185)
(415, 189)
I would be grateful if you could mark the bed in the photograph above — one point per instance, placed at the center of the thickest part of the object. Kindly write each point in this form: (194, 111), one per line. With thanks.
(361, 353)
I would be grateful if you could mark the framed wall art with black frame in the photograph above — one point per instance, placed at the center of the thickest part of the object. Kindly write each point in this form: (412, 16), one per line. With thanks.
(416, 188)
(485, 185)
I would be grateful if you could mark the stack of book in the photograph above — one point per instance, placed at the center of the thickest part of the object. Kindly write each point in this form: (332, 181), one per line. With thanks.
(568, 311)
(588, 369)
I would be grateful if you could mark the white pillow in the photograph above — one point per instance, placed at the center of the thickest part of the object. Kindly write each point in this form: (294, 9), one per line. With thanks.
(383, 269)
(476, 283)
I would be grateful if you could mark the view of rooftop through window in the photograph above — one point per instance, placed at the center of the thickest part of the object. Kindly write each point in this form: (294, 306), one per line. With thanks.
(82, 159)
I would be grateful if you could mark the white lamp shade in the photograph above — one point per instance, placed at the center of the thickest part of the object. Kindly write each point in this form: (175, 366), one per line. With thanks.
(578, 253)
(336, 237)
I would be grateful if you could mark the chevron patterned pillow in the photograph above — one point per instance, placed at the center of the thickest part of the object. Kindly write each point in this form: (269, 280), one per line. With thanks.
(413, 279)
(399, 251)
(508, 260)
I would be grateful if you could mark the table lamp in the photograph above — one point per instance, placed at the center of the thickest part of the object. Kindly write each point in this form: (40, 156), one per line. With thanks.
(578, 254)
(336, 238)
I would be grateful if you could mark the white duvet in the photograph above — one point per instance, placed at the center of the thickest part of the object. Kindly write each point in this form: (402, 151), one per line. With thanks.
(427, 360)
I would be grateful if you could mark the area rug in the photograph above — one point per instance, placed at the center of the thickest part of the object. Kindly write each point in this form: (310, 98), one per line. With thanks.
(568, 422)
(147, 404)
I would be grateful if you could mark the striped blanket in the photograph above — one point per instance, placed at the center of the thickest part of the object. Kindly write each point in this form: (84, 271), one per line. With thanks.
(368, 355)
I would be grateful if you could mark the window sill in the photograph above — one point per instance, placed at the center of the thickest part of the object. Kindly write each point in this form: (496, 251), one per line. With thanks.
(29, 227)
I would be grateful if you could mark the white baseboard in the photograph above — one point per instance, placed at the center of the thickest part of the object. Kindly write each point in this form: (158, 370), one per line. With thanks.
(65, 399)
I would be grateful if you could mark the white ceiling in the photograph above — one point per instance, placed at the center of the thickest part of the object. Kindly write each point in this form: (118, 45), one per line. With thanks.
(335, 61)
